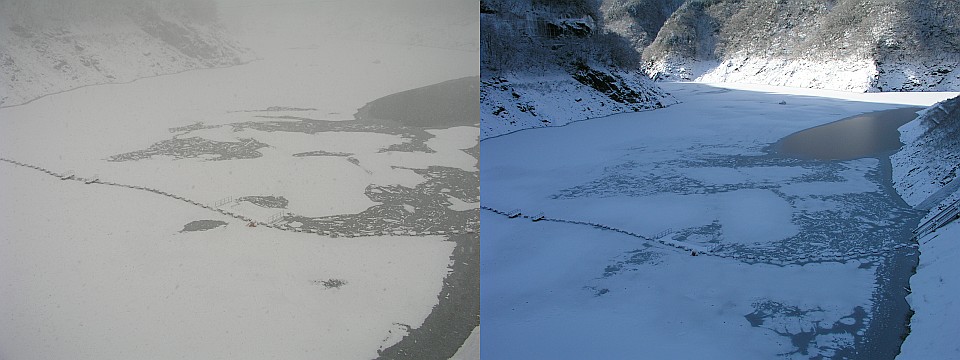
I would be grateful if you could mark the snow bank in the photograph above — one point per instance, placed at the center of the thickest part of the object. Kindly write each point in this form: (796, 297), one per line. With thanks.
(935, 286)
(924, 173)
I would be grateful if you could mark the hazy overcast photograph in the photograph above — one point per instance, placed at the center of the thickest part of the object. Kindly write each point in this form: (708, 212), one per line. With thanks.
(198, 179)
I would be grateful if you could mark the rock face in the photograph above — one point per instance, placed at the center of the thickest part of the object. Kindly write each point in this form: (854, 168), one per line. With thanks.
(547, 63)
(638, 21)
(50, 46)
(855, 45)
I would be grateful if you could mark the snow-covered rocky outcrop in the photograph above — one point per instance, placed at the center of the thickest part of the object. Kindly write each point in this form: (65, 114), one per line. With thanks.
(926, 166)
(52, 46)
(548, 64)
(925, 175)
(511, 102)
(638, 21)
(851, 45)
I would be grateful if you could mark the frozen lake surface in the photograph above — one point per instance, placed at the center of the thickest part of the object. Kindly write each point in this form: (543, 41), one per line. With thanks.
(796, 258)
(365, 241)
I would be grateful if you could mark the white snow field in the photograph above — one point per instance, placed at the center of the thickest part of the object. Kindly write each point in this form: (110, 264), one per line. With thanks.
(92, 271)
(794, 257)
(935, 287)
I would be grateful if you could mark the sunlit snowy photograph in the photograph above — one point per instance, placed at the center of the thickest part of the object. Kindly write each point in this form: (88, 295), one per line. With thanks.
(720, 179)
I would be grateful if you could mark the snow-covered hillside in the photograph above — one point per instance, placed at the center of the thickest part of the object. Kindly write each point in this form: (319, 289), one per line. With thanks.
(515, 102)
(852, 45)
(925, 172)
(925, 168)
(50, 46)
(637, 20)
(548, 64)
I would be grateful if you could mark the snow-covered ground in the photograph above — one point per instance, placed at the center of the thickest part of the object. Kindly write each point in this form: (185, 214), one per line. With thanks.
(97, 271)
(935, 286)
(925, 175)
(793, 255)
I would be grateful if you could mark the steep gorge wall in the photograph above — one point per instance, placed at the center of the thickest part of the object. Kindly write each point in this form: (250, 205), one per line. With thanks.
(638, 21)
(50, 46)
(854, 45)
(548, 63)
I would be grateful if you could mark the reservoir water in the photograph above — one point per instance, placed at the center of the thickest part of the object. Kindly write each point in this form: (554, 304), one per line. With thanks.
(851, 138)
(872, 134)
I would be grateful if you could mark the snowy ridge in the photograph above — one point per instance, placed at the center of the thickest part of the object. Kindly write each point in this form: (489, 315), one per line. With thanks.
(849, 45)
(857, 75)
(513, 102)
(924, 173)
(51, 53)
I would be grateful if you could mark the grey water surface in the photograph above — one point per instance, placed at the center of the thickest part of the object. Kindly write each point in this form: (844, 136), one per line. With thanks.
(859, 136)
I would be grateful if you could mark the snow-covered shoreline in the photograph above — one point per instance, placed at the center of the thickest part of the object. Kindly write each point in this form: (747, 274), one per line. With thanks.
(925, 172)
(516, 101)
(853, 74)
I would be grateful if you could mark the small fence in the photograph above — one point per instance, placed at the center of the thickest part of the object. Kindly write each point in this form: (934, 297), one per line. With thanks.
(275, 217)
(945, 216)
(224, 201)
(661, 234)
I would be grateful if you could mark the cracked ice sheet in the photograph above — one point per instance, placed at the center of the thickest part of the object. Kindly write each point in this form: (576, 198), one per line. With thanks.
(737, 211)
(745, 175)
(679, 308)
(85, 278)
(853, 182)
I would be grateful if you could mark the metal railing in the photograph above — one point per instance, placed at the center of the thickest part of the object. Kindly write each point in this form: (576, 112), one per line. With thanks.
(945, 216)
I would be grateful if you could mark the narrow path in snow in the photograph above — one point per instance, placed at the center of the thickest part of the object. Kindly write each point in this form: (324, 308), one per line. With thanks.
(275, 223)
(750, 259)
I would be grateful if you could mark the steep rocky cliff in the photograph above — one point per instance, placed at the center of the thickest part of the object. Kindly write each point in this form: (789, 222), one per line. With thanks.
(547, 63)
(856, 45)
(638, 21)
(51, 46)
